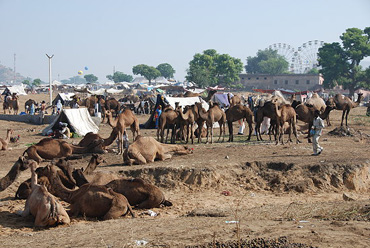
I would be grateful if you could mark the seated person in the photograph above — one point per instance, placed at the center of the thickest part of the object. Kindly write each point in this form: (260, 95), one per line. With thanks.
(61, 131)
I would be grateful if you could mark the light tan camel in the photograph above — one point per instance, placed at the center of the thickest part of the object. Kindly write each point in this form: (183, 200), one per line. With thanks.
(239, 112)
(4, 142)
(306, 114)
(346, 104)
(124, 120)
(214, 114)
(20, 165)
(147, 149)
(92, 137)
(140, 193)
(317, 102)
(107, 204)
(46, 209)
(169, 118)
(235, 99)
(187, 120)
(286, 113)
(49, 148)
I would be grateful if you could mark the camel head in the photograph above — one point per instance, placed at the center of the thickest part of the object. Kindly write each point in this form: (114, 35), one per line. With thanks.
(99, 158)
(330, 102)
(24, 163)
(360, 96)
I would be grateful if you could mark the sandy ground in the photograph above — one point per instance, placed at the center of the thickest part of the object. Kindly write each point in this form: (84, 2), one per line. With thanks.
(272, 191)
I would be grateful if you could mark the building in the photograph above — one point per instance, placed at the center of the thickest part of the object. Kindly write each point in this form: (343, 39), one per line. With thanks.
(295, 82)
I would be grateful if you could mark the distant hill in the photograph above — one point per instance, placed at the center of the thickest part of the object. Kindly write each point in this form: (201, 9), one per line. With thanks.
(7, 76)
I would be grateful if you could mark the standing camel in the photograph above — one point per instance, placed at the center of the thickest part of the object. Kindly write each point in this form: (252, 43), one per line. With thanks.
(169, 118)
(214, 114)
(187, 118)
(11, 103)
(124, 120)
(238, 112)
(286, 113)
(267, 110)
(346, 104)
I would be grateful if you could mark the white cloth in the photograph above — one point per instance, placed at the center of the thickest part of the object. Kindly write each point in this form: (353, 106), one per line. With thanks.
(318, 125)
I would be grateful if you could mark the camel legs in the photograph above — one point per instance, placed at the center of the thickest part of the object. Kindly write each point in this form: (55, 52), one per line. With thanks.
(343, 113)
(231, 134)
(347, 112)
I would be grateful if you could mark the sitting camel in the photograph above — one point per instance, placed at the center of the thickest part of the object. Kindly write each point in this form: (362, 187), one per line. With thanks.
(20, 165)
(49, 148)
(107, 204)
(139, 193)
(46, 209)
(92, 137)
(147, 149)
(4, 142)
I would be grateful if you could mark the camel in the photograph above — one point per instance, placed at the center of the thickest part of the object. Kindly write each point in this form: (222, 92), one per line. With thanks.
(20, 165)
(187, 119)
(27, 105)
(306, 114)
(92, 137)
(49, 148)
(90, 200)
(214, 114)
(233, 100)
(4, 142)
(46, 209)
(238, 112)
(147, 149)
(169, 118)
(346, 104)
(11, 103)
(139, 193)
(111, 105)
(266, 110)
(286, 113)
(124, 120)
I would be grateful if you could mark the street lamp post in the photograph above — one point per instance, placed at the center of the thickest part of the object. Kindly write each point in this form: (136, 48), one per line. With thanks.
(50, 86)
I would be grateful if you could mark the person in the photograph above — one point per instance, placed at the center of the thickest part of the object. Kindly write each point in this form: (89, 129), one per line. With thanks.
(157, 114)
(59, 107)
(32, 109)
(316, 131)
(62, 131)
(43, 107)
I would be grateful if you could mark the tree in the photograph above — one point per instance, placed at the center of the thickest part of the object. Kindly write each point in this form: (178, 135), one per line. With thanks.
(32, 84)
(149, 72)
(341, 64)
(166, 70)
(91, 78)
(211, 69)
(267, 61)
(120, 77)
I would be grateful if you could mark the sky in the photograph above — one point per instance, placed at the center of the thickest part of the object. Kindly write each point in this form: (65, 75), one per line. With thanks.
(119, 34)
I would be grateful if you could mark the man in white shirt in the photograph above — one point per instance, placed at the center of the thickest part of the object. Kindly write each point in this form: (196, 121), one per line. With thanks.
(318, 125)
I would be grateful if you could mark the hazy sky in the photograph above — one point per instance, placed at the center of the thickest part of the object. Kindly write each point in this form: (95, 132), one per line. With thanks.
(121, 34)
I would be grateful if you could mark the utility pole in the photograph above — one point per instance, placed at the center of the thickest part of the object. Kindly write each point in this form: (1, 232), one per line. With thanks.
(50, 86)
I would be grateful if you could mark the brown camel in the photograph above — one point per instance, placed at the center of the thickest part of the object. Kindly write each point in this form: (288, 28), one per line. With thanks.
(20, 165)
(124, 120)
(233, 100)
(111, 104)
(107, 204)
(306, 114)
(187, 120)
(169, 118)
(92, 137)
(11, 103)
(147, 149)
(27, 105)
(139, 193)
(46, 209)
(49, 148)
(4, 142)
(214, 114)
(346, 104)
(286, 113)
(239, 112)
(267, 110)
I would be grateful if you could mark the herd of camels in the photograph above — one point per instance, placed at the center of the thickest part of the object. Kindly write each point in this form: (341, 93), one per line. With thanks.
(114, 196)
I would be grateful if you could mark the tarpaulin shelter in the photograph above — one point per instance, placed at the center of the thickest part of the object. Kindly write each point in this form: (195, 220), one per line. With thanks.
(19, 89)
(79, 121)
(65, 98)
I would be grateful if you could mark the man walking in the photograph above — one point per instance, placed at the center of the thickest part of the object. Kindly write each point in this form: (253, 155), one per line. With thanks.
(316, 131)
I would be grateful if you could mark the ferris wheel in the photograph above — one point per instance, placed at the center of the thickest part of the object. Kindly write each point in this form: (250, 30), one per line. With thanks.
(308, 54)
(301, 60)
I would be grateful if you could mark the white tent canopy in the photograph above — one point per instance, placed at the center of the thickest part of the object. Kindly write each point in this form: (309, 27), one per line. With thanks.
(79, 121)
(186, 101)
(19, 89)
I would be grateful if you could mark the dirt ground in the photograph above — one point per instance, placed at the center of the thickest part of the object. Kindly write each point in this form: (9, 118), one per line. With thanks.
(221, 192)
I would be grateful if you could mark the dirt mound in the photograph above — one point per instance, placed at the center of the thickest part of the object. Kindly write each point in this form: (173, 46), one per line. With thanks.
(254, 243)
(280, 177)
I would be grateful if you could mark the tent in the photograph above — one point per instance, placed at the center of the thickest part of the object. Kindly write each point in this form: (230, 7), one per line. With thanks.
(221, 99)
(65, 98)
(165, 100)
(19, 89)
(79, 121)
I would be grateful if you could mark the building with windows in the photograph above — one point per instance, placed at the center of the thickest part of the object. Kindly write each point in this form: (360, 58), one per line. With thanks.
(295, 82)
